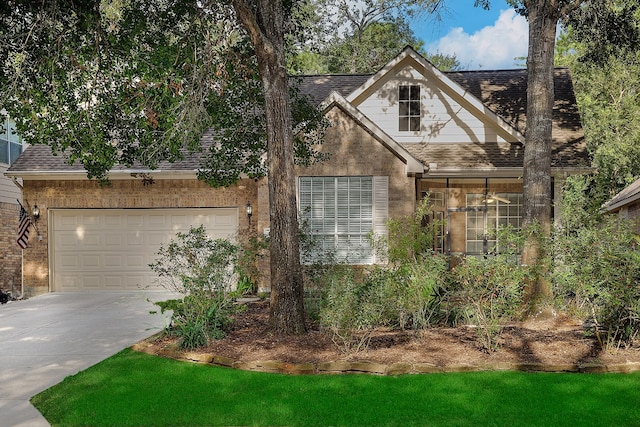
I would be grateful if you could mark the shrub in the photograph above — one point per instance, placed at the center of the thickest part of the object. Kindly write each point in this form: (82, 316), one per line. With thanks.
(254, 247)
(350, 310)
(202, 270)
(402, 294)
(488, 291)
(598, 273)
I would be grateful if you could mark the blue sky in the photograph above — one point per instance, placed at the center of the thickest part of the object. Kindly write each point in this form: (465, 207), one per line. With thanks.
(480, 39)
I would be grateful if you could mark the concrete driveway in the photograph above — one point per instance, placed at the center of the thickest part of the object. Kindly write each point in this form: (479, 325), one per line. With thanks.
(47, 338)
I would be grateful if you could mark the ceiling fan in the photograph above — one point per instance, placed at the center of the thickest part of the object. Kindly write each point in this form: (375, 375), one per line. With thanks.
(492, 197)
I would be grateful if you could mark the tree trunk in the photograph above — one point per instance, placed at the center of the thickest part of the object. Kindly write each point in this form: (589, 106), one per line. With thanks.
(266, 30)
(543, 19)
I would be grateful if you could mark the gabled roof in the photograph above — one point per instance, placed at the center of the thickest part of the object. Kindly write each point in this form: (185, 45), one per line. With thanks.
(413, 166)
(409, 57)
(627, 196)
(500, 95)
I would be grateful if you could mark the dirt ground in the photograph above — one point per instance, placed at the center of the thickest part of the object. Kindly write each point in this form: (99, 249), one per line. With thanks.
(553, 342)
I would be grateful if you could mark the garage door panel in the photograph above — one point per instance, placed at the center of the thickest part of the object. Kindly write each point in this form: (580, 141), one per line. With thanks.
(88, 281)
(91, 261)
(105, 249)
(136, 261)
(136, 239)
(114, 240)
(113, 220)
(93, 241)
(136, 220)
(158, 238)
(113, 282)
(113, 261)
(155, 220)
(69, 261)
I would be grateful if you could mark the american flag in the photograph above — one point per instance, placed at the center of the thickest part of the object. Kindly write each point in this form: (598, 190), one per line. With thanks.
(23, 228)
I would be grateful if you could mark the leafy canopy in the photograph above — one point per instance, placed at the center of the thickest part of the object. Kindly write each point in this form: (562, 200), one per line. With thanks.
(120, 82)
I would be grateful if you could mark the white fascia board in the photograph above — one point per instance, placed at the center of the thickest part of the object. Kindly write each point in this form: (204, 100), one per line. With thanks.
(426, 68)
(444, 172)
(412, 165)
(496, 172)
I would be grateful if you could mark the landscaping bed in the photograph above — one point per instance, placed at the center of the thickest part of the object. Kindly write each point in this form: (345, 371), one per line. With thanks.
(553, 344)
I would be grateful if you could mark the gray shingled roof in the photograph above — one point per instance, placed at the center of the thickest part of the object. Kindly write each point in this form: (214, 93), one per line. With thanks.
(38, 158)
(503, 91)
(625, 197)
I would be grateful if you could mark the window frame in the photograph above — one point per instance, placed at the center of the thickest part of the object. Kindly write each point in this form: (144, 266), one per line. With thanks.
(409, 108)
(340, 230)
(488, 218)
(11, 145)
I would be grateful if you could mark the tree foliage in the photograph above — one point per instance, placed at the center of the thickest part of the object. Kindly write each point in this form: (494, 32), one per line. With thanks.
(124, 81)
(605, 63)
(361, 37)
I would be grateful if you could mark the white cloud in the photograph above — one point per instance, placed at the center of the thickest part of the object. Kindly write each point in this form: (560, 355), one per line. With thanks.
(492, 47)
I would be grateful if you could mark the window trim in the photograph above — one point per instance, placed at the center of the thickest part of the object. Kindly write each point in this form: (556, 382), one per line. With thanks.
(412, 120)
(378, 208)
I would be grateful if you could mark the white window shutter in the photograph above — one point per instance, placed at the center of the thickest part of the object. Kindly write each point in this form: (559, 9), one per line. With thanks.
(380, 205)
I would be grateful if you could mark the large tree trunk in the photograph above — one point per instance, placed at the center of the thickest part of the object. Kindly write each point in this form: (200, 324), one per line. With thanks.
(266, 30)
(543, 19)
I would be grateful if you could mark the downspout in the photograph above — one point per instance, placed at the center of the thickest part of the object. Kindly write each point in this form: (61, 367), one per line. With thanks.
(15, 181)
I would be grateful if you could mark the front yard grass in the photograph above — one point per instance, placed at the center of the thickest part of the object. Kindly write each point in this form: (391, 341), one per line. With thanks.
(134, 389)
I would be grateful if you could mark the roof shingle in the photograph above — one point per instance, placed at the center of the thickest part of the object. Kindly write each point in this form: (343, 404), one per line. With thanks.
(502, 91)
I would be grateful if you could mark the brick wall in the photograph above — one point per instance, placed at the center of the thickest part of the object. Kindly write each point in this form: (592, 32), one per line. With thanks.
(131, 193)
(10, 253)
(355, 152)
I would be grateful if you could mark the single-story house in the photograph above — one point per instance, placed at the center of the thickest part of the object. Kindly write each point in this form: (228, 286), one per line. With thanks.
(396, 136)
(626, 204)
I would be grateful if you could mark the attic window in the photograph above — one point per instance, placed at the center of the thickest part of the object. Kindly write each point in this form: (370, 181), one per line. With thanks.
(409, 108)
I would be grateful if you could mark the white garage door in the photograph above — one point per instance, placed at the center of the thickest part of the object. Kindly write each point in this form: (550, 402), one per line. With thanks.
(111, 249)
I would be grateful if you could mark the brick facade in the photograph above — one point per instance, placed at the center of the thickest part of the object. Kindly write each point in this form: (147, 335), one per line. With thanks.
(130, 193)
(10, 253)
(355, 152)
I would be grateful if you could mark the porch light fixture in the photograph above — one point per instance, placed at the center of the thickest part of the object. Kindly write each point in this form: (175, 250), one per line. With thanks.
(36, 212)
(249, 211)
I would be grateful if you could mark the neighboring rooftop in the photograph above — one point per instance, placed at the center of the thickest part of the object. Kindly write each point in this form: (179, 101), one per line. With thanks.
(627, 196)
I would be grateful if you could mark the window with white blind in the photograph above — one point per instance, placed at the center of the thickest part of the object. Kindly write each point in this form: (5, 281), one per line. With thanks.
(341, 212)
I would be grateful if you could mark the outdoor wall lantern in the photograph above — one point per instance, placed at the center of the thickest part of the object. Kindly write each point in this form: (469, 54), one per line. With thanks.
(36, 212)
(249, 211)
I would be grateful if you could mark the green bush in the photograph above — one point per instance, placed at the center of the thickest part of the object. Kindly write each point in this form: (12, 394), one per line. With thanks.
(597, 272)
(202, 270)
(488, 291)
(402, 294)
(255, 246)
(350, 310)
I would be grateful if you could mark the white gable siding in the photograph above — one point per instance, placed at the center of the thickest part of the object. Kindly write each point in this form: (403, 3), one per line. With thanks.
(445, 117)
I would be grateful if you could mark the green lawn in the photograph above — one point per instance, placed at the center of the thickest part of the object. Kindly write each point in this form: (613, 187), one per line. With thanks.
(134, 389)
